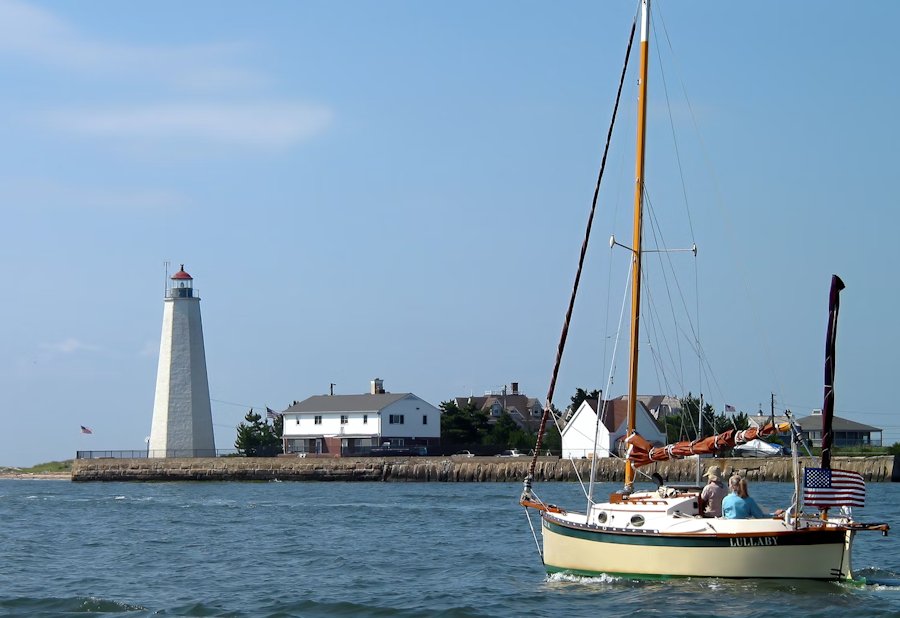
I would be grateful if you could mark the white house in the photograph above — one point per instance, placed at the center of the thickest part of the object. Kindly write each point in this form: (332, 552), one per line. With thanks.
(578, 434)
(339, 425)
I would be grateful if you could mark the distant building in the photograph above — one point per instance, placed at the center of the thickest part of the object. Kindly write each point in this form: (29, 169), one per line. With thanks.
(525, 411)
(182, 417)
(578, 434)
(846, 432)
(660, 406)
(346, 425)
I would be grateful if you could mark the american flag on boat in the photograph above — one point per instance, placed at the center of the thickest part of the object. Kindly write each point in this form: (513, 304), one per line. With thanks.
(826, 488)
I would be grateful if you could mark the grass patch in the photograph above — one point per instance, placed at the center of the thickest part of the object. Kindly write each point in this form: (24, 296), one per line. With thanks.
(48, 467)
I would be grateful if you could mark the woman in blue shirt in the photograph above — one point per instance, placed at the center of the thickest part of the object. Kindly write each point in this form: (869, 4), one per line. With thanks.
(738, 504)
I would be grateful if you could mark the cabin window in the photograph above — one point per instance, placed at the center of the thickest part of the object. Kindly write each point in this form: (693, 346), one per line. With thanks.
(637, 520)
(601, 517)
(298, 420)
(318, 420)
(343, 419)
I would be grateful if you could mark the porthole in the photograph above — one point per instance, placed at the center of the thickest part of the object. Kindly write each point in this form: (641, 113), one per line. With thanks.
(601, 518)
(637, 520)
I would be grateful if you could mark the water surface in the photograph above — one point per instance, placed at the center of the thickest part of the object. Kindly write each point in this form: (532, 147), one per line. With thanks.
(359, 549)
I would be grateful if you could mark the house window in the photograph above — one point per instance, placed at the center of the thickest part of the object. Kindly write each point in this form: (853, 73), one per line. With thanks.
(365, 419)
(343, 419)
(424, 419)
(396, 419)
(318, 420)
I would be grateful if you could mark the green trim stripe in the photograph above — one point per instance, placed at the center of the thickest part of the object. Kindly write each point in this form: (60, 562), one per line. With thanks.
(800, 537)
(861, 581)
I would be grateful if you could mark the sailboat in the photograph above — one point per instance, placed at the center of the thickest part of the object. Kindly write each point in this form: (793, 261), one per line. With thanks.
(662, 533)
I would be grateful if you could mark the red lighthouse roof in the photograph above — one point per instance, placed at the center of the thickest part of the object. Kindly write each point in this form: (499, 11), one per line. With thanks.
(181, 274)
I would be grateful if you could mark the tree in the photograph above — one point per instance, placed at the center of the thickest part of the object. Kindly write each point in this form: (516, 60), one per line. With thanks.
(505, 433)
(684, 426)
(256, 438)
(462, 425)
(581, 394)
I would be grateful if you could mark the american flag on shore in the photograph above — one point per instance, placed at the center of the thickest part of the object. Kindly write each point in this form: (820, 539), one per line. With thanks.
(729, 408)
(270, 413)
(826, 488)
(86, 429)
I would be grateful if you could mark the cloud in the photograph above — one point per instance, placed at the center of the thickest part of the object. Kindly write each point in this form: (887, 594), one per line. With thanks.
(266, 125)
(39, 35)
(46, 194)
(176, 75)
(69, 346)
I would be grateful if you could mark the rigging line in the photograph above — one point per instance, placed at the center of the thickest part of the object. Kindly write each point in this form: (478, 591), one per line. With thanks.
(232, 403)
(720, 203)
(656, 322)
(662, 74)
(601, 409)
(534, 535)
(657, 237)
(651, 332)
(615, 218)
(565, 330)
(655, 227)
(695, 342)
(678, 157)
(668, 261)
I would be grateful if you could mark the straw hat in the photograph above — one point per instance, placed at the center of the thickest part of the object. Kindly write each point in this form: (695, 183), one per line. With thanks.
(714, 473)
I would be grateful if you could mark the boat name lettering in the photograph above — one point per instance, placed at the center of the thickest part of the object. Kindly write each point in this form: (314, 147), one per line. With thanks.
(753, 541)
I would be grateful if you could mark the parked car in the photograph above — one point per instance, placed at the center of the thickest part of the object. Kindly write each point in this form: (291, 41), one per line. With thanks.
(464, 454)
(511, 453)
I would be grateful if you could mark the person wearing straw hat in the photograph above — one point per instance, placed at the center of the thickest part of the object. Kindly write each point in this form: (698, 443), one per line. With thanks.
(712, 495)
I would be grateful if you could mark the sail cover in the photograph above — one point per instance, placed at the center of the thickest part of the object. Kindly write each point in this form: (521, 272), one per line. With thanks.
(641, 452)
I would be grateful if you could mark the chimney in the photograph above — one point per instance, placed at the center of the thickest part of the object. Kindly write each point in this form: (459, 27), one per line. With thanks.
(515, 388)
(377, 386)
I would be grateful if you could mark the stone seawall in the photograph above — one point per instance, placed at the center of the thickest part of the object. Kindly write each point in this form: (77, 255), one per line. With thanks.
(440, 469)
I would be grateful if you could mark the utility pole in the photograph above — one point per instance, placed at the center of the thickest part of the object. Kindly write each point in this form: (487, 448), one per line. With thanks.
(773, 404)
(331, 388)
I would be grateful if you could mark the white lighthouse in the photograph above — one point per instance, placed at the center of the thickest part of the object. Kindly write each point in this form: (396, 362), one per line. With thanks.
(182, 417)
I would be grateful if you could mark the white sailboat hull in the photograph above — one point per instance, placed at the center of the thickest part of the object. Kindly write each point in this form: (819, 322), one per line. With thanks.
(666, 546)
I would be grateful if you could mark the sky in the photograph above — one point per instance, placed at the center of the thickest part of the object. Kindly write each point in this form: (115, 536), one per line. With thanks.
(399, 190)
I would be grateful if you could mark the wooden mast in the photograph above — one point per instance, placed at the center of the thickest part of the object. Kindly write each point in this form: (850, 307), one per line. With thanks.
(638, 225)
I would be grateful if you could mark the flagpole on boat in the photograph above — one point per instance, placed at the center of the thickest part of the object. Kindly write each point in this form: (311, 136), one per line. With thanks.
(638, 223)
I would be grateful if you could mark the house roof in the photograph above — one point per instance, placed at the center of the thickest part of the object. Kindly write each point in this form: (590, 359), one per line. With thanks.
(654, 401)
(814, 422)
(518, 402)
(616, 412)
(346, 403)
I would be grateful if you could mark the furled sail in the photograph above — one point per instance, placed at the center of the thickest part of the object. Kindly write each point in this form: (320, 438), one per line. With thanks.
(641, 452)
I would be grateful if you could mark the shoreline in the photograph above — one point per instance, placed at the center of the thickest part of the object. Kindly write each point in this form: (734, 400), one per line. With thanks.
(447, 469)
(39, 476)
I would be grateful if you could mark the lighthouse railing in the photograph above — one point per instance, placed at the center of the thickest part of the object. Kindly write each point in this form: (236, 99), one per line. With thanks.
(154, 453)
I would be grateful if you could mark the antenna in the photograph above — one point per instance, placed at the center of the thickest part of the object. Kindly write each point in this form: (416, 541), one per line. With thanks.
(166, 279)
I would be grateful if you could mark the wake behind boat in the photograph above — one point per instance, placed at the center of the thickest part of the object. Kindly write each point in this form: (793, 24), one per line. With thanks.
(663, 533)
